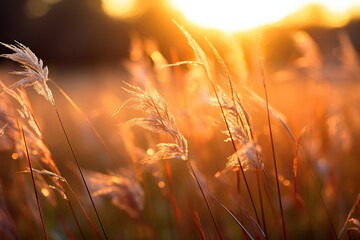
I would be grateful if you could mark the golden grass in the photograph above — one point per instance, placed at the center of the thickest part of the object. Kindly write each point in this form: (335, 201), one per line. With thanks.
(202, 112)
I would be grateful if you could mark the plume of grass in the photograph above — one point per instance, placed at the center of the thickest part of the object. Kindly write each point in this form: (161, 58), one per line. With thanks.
(161, 121)
(249, 152)
(36, 75)
(125, 192)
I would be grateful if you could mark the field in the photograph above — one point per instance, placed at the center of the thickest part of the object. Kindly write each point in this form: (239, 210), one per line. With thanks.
(216, 146)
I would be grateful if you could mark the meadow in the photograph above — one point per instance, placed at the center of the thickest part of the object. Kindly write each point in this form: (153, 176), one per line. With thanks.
(215, 146)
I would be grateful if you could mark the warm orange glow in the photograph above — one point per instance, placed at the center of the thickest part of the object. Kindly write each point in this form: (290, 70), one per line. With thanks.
(161, 184)
(150, 151)
(232, 16)
(45, 192)
(124, 9)
(14, 156)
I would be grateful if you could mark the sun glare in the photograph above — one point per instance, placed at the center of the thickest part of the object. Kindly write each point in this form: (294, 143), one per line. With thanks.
(232, 16)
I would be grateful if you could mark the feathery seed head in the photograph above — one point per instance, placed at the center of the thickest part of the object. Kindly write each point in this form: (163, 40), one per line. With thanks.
(34, 73)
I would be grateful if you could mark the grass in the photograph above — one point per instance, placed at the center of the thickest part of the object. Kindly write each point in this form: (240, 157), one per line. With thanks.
(183, 149)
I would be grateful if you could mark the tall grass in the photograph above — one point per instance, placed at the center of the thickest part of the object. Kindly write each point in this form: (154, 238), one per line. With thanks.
(193, 151)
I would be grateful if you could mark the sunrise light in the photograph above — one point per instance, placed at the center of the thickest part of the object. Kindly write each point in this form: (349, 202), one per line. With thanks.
(232, 16)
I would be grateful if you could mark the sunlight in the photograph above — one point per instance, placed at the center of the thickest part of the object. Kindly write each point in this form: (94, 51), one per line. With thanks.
(231, 16)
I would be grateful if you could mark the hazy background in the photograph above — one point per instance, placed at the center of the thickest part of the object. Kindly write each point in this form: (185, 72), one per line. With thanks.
(73, 33)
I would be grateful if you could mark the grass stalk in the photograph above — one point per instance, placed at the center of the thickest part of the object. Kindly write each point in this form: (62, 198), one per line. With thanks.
(229, 212)
(262, 75)
(205, 199)
(87, 120)
(75, 218)
(79, 169)
(33, 179)
(84, 212)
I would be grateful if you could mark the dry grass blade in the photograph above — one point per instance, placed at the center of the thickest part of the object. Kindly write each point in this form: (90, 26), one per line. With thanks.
(125, 192)
(34, 74)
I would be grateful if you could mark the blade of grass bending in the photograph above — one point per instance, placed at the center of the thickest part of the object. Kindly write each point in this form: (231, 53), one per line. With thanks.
(79, 169)
(262, 75)
(32, 178)
(206, 201)
(87, 120)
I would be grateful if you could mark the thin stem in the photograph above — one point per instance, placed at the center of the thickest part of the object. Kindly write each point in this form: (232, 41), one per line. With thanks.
(33, 180)
(229, 212)
(84, 212)
(76, 220)
(262, 74)
(81, 174)
(207, 203)
(92, 127)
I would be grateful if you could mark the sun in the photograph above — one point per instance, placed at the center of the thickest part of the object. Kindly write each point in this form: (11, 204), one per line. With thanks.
(232, 15)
